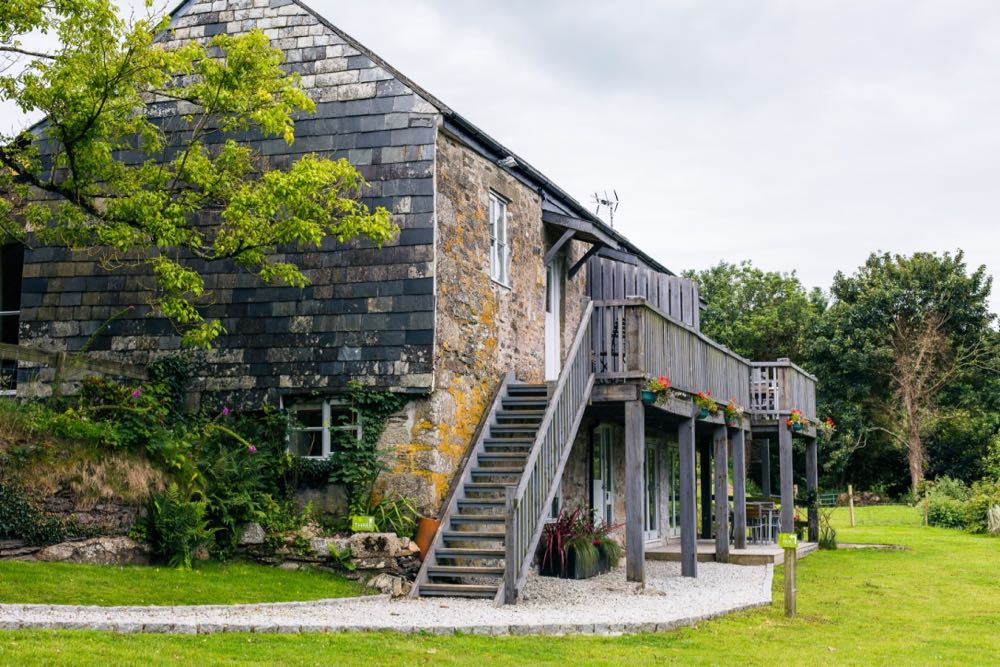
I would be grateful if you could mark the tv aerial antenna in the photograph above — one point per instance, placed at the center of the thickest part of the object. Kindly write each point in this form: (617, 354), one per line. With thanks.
(610, 202)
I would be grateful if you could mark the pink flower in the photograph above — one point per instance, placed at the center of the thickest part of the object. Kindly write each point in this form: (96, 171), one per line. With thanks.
(137, 392)
(251, 449)
(225, 411)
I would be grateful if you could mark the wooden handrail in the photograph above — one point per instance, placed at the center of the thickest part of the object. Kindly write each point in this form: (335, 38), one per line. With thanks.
(528, 505)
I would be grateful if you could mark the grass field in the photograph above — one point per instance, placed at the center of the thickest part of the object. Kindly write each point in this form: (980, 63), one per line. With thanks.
(938, 602)
(207, 583)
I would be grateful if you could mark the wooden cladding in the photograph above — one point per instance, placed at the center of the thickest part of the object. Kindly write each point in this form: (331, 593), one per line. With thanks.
(608, 279)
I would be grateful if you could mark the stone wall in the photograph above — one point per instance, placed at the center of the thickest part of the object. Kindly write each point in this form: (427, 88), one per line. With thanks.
(368, 313)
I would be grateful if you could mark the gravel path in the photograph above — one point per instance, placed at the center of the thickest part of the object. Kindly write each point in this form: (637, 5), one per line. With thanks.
(603, 605)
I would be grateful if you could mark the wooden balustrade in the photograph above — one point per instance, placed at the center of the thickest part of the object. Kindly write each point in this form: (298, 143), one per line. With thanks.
(633, 340)
(529, 503)
(778, 387)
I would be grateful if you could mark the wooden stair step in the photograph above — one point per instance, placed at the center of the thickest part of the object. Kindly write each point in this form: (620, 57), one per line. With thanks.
(512, 457)
(497, 472)
(472, 536)
(522, 390)
(518, 402)
(477, 518)
(479, 552)
(451, 570)
(460, 590)
(521, 415)
(500, 429)
(482, 502)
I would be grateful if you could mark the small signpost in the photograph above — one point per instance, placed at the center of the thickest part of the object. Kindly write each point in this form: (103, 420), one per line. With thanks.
(789, 542)
(363, 524)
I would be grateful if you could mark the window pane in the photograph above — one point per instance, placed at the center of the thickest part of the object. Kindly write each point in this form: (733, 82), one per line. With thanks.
(342, 417)
(306, 443)
(311, 417)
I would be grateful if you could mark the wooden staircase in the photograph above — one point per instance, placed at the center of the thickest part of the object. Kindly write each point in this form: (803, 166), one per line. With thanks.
(494, 518)
(467, 557)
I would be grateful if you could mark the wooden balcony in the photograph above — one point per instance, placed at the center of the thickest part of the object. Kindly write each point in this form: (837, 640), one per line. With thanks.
(777, 388)
(633, 341)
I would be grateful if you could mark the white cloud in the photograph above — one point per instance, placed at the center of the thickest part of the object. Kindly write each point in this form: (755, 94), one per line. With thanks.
(799, 135)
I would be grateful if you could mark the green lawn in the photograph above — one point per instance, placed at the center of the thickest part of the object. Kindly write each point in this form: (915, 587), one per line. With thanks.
(207, 583)
(936, 603)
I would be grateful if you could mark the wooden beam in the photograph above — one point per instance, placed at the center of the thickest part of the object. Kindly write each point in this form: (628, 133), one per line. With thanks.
(812, 486)
(765, 467)
(635, 453)
(583, 260)
(615, 393)
(619, 256)
(787, 476)
(705, 462)
(688, 502)
(558, 245)
(580, 225)
(721, 438)
(739, 489)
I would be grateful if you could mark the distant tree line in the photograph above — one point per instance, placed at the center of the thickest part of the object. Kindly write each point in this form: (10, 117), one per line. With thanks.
(907, 354)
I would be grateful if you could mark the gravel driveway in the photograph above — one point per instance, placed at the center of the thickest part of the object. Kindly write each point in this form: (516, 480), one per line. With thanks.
(603, 605)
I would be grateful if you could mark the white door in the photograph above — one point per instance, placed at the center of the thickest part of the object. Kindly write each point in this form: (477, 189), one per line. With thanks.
(601, 475)
(651, 513)
(553, 339)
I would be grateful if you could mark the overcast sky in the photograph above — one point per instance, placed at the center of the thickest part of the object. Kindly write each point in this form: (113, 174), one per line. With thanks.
(800, 135)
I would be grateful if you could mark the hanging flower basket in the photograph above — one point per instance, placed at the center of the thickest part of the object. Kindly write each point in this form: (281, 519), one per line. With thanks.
(796, 421)
(734, 413)
(706, 404)
(655, 389)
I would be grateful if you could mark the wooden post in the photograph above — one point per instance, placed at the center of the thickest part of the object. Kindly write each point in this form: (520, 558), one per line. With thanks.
(791, 557)
(786, 475)
(635, 453)
(58, 373)
(850, 502)
(739, 490)
(812, 487)
(721, 494)
(689, 523)
(927, 508)
(705, 460)
(510, 562)
(765, 469)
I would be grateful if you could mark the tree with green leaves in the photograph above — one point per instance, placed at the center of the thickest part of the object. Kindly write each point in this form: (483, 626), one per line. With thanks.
(110, 89)
(900, 340)
(759, 314)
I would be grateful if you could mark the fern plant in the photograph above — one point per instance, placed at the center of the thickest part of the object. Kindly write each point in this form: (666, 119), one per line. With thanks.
(177, 526)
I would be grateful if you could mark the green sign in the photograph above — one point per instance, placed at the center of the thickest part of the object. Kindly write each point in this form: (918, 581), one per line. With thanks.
(788, 540)
(363, 524)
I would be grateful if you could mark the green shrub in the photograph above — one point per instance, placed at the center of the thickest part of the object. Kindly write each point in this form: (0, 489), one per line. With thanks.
(176, 526)
(20, 521)
(984, 495)
(950, 488)
(396, 516)
(946, 512)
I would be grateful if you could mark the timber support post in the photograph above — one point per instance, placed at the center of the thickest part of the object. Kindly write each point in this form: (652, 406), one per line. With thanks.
(786, 474)
(635, 453)
(688, 501)
(721, 440)
(705, 469)
(765, 468)
(739, 490)
(812, 489)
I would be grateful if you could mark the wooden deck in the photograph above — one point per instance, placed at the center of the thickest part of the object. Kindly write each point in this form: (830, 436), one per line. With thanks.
(754, 554)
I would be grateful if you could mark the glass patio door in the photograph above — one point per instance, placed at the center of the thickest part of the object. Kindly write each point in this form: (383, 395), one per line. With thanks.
(602, 479)
(651, 477)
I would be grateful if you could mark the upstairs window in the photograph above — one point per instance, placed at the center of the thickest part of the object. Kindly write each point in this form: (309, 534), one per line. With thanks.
(11, 265)
(499, 249)
(322, 424)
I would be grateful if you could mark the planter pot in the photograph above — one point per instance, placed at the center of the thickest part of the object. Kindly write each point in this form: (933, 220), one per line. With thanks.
(798, 427)
(733, 422)
(426, 530)
(703, 413)
(574, 568)
(648, 397)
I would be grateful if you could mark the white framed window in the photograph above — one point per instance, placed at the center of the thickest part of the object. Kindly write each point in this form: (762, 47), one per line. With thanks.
(319, 422)
(499, 247)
